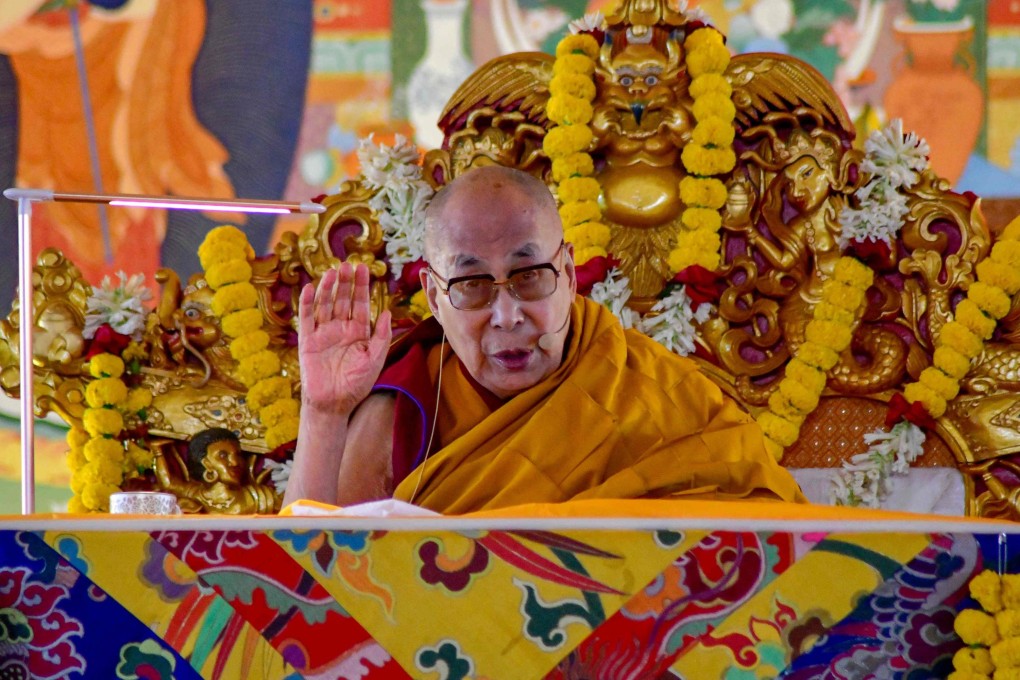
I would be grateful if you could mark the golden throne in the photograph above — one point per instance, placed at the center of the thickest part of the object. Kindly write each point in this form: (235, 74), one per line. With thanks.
(780, 238)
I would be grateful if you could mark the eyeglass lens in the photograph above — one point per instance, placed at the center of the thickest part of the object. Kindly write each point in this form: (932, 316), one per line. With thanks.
(527, 286)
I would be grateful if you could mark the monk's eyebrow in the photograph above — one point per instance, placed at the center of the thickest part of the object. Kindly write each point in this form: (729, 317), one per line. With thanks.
(465, 261)
(527, 250)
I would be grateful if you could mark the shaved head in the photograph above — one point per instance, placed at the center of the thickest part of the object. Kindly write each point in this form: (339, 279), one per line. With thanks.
(486, 225)
(499, 190)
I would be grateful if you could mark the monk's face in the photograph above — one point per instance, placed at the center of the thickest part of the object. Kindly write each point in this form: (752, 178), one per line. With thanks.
(496, 230)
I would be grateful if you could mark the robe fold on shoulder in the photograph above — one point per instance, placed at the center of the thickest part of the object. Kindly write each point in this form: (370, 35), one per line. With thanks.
(622, 417)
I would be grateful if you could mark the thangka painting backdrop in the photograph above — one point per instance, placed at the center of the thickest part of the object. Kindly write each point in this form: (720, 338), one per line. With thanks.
(268, 98)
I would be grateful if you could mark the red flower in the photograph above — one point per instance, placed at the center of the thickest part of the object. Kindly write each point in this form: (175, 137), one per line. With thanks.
(107, 340)
(901, 409)
(700, 284)
(410, 279)
(282, 452)
(875, 253)
(593, 271)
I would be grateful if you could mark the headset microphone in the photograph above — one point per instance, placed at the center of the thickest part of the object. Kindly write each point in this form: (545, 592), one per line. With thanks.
(547, 341)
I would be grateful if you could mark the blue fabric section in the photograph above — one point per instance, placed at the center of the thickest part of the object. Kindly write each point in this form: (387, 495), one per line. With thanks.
(904, 627)
(63, 625)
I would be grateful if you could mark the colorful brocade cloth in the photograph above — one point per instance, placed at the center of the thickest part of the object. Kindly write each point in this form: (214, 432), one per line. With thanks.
(597, 589)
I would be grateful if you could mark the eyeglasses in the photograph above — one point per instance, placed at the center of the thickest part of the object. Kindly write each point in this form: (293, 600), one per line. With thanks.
(527, 284)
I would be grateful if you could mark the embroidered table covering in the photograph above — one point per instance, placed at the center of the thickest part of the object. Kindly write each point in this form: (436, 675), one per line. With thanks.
(626, 589)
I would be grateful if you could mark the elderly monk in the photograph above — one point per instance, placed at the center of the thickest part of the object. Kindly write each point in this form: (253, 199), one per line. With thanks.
(517, 391)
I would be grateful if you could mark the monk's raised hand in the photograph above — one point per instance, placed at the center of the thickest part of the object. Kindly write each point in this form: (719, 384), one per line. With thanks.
(341, 355)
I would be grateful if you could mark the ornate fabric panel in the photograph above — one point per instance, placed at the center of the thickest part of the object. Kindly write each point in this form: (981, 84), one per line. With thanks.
(262, 599)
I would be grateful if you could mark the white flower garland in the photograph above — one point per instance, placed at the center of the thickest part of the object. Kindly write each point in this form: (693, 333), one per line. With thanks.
(894, 161)
(672, 321)
(864, 479)
(400, 200)
(279, 473)
(120, 306)
(613, 292)
(673, 326)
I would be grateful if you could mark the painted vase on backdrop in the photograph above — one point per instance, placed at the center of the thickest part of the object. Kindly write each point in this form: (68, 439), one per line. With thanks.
(935, 91)
(440, 72)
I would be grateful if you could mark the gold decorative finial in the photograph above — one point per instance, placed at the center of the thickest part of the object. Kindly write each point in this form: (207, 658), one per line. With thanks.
(639, 16)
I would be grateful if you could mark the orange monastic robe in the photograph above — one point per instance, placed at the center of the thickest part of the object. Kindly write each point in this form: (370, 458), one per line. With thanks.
(622, 417)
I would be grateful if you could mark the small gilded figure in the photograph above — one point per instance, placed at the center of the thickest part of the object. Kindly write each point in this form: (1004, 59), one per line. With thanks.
(218, 477)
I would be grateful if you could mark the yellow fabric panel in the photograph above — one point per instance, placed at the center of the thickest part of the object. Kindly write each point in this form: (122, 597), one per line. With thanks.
(113, 561)
(807, 586)
(367, 589)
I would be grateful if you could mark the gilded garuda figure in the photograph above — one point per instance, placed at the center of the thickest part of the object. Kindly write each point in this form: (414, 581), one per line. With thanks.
(643, 117)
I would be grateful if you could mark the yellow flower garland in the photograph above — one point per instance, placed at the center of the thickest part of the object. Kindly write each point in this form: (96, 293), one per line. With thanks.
(974, 320)
(225, 255)
(992, 633)
(831, 329)
(571, 92)
(710, 153)
(827, 334)
(96, 456)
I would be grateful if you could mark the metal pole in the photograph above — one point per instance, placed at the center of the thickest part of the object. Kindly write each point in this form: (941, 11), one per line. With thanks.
(25, 198)
(26, 322)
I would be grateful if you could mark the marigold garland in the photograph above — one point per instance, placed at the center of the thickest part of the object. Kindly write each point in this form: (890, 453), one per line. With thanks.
(225, 256)
(957, 344)
(991, 633)
(974, 321)
(708, 155)
(96, 456)
(801, 387)
(570, 107)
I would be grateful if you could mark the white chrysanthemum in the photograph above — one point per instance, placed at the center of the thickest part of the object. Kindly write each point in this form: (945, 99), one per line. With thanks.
(613, 292)
(895, 157)
(864, 479)
(382, 165)
(873, 221)
(279, 473)
(674, 325)
(400, 208)
(400, 200)
(120, 306)
(593, 21)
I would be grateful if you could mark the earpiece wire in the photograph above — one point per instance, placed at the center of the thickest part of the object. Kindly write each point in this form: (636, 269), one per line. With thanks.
(435, 421)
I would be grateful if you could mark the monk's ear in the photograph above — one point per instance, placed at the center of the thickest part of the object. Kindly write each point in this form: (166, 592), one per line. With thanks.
(568, 266)
(428, 284)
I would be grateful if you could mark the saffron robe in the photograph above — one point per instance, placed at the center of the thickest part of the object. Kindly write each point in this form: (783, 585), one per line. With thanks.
(622, 417)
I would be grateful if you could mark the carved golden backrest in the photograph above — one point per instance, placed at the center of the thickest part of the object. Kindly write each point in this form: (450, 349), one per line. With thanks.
(780, 233)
